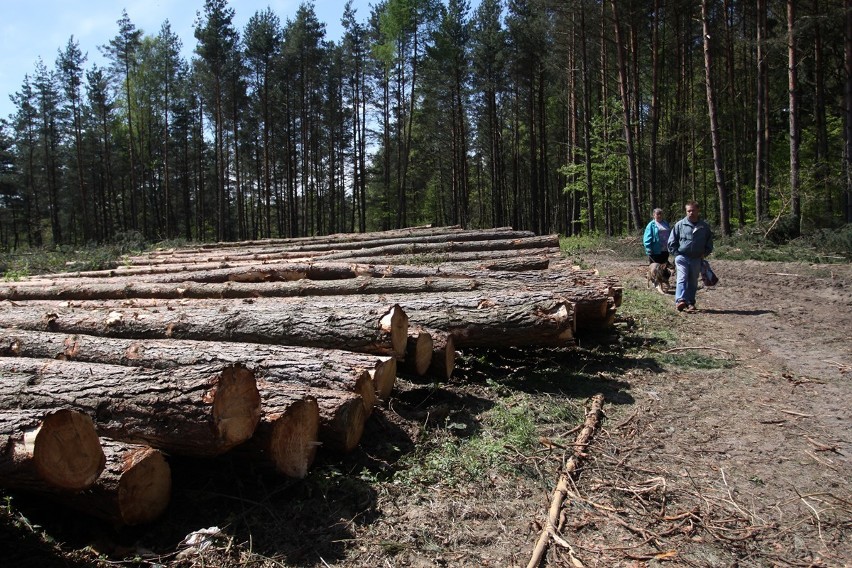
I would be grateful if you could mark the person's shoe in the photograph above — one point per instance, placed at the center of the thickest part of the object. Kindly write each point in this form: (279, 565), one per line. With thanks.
(680, 306)
(691, 308)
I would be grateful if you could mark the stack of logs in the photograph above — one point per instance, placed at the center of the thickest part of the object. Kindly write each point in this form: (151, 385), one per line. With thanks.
(271, 348)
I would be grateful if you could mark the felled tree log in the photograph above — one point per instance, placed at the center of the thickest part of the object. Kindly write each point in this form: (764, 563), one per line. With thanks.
(507, 256)
(499, 319)
(281, 272)
(317, 245)
(203, 410)
(135, 487)
(48, 450)
(334, 321)
(289, 373)
(129, 271)
(419, 231)
(307, 366)
(235, 255)
(594, 298)
(446, 248)
(125, 289)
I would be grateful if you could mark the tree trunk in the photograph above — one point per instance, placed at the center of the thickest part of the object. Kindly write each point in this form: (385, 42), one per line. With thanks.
(221, 257)
(761, 104)
(204, 410)
(847, 112)
(134, 488)
(633, 172)
(793, 88)
(715, 135)
(46, 450)
(333, 321)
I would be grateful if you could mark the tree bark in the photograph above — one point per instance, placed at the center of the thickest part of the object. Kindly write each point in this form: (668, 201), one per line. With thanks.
(333, 321)
(134, 488)
(847, 111)
(204, 410)
(45, 450)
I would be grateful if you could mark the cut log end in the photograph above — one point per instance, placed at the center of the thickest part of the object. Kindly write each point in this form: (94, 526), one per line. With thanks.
(443, 361)
(344, 427)
(145, 487)
(365, 386)
(384, 377)
(67, 452)
(418, 356)
(292, 443)
(395, 323)
(236, 404)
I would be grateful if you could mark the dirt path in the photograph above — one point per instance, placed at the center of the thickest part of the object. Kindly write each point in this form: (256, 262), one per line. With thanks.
(741, 466)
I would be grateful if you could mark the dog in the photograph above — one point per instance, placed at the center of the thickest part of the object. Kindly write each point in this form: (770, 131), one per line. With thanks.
(659, 275)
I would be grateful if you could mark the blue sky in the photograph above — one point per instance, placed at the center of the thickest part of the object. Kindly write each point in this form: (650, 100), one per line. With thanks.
(30, 29)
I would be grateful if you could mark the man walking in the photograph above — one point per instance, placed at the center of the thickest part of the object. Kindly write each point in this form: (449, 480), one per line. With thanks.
(689, 242)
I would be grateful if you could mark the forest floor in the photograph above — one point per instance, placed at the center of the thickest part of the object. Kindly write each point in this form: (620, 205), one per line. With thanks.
(727, 441)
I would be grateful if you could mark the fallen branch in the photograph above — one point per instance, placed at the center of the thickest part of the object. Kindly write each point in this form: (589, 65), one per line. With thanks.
(593, 417)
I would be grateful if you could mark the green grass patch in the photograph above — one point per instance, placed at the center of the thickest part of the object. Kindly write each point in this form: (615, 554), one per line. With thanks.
(619, 247)
(695, 359)
(509, 429)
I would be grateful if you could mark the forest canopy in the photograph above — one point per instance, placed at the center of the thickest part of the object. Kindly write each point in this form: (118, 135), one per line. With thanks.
(568, 116)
